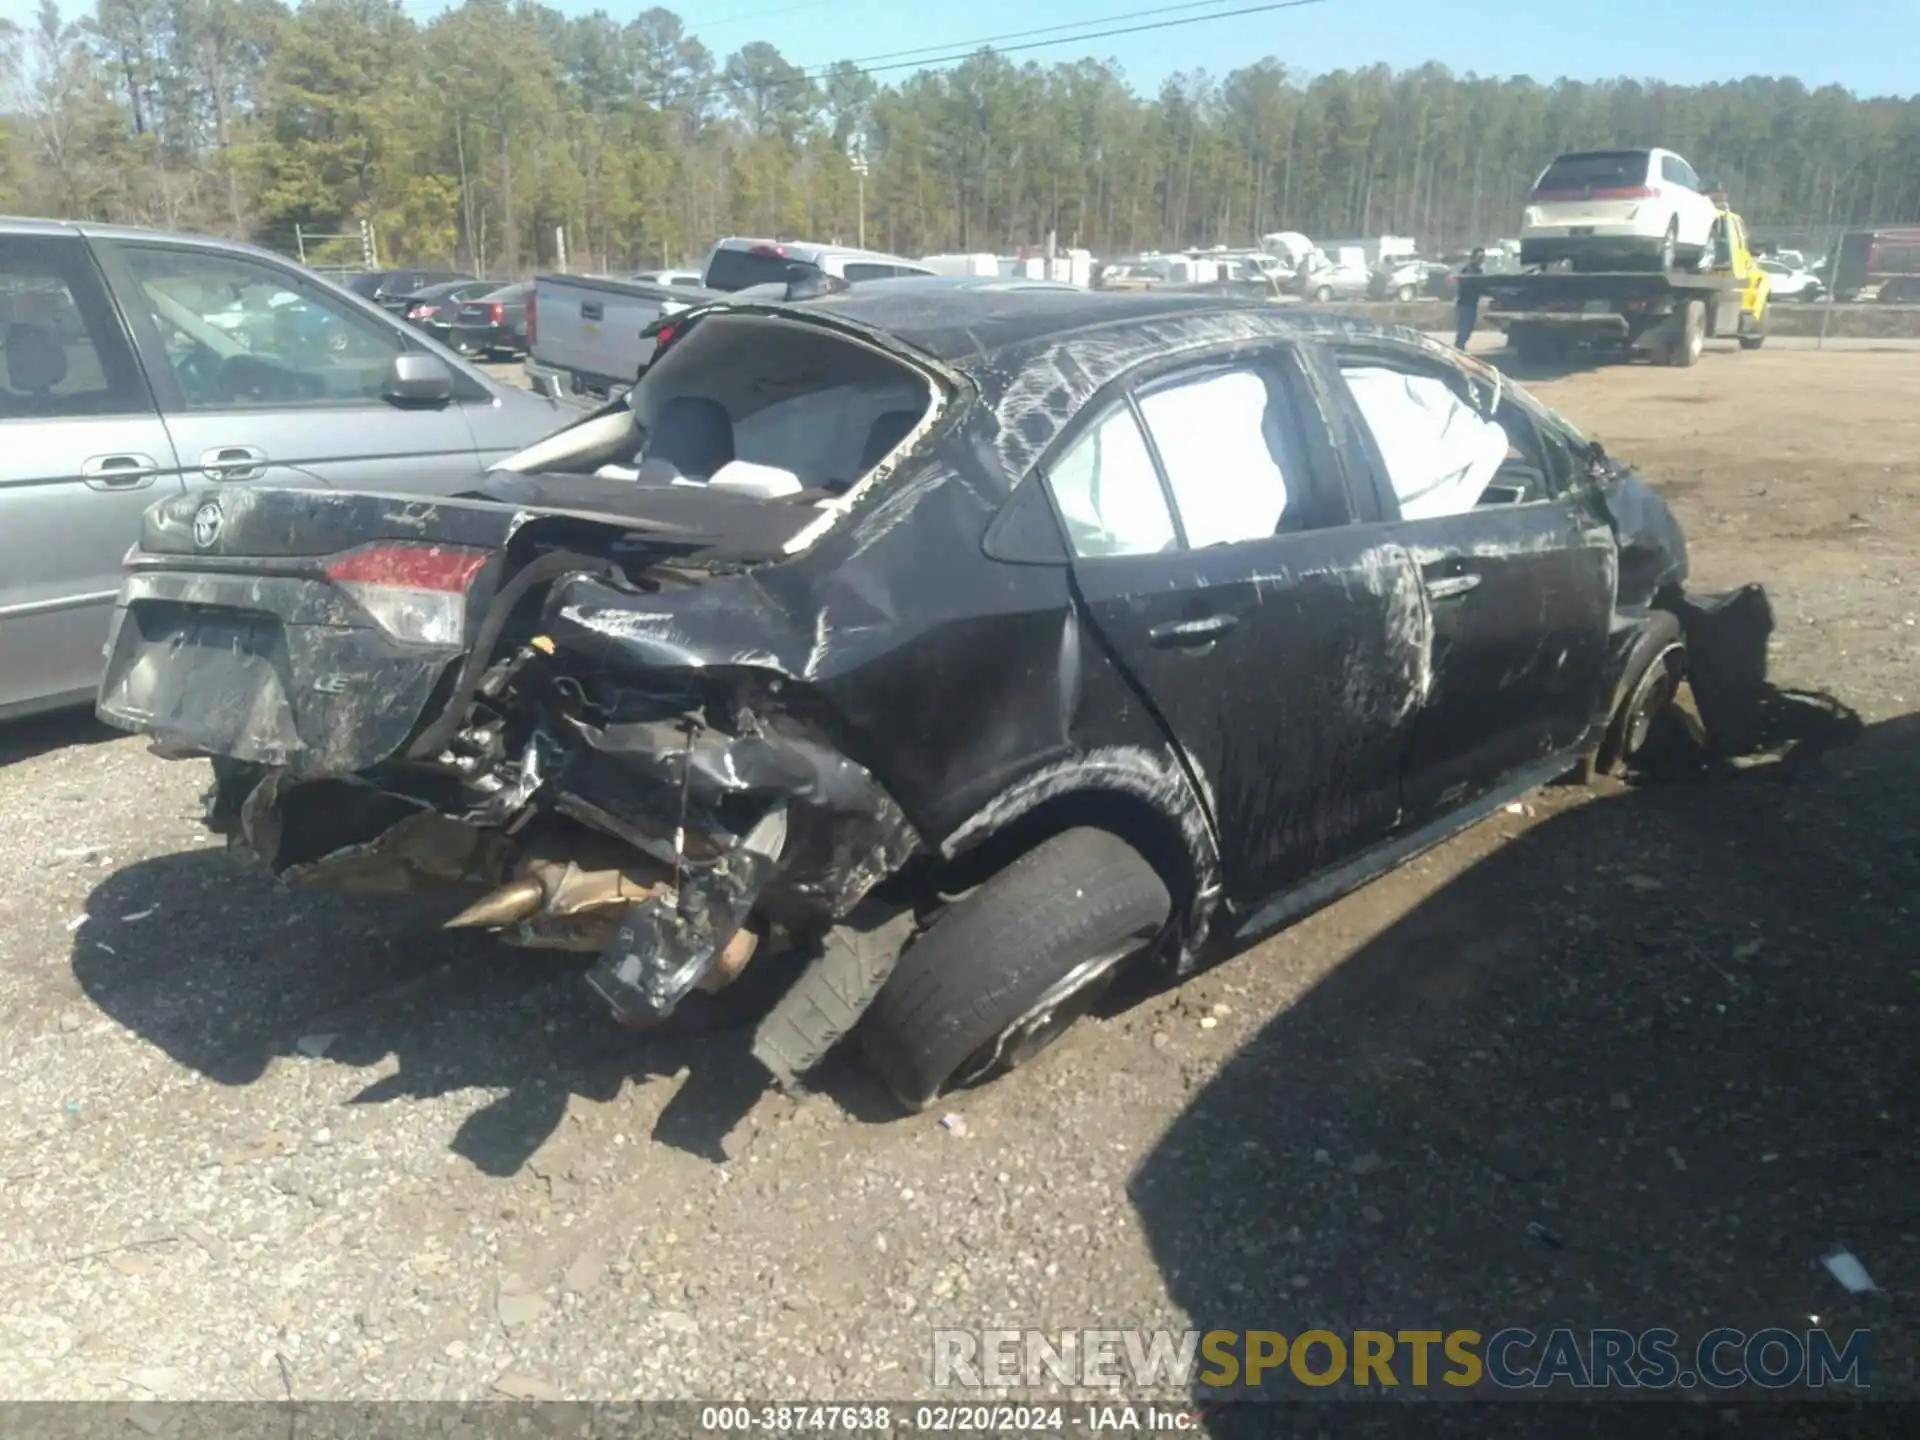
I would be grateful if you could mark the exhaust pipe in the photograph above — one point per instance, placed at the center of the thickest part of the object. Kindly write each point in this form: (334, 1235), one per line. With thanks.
(514, 901)
(560, 890)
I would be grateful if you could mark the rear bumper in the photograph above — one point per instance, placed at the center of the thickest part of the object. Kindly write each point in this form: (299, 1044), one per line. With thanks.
(202, 673)
(1621, 247)
(485, 339)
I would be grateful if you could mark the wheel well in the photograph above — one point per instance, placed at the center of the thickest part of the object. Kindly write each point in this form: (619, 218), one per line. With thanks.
(1153, 833)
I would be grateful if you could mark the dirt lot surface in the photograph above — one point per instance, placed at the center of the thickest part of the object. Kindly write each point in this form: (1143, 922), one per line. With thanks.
(254, 1143)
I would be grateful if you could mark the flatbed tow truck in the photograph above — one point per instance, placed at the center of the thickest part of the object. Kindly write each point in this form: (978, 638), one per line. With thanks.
(1668, 315)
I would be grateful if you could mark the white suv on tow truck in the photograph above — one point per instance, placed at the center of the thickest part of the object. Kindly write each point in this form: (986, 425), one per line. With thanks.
(1619, 209)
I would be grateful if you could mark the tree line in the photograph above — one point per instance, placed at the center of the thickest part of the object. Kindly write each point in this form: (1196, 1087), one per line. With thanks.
(474, 137)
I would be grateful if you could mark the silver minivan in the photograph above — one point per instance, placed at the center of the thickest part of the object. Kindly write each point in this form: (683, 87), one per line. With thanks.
(135, 365)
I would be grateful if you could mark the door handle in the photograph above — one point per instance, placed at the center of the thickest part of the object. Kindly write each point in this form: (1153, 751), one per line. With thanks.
(118, 472)
(1451, 587)
(592, 310)
(1176, 634)
(233, 462)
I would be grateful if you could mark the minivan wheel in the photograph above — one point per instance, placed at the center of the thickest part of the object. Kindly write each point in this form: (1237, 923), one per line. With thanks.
(1007, 969)
(1669, 247)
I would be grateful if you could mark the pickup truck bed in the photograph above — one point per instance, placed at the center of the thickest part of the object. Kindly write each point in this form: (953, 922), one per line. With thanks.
(585, 340)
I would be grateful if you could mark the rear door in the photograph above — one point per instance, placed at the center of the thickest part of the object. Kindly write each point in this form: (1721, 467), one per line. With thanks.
(1278, 643)
(83, 453)
(1518, 565)
(297, 401)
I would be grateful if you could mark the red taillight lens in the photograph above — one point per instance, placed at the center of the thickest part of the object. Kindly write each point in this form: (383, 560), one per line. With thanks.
(662, 336)
(533, 317)
(768, 250)
(499, 312)
(416, 593)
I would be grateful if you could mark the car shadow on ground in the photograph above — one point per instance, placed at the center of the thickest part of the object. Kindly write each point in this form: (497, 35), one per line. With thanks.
(234, 970)
(42, 734)
(1644, 1065)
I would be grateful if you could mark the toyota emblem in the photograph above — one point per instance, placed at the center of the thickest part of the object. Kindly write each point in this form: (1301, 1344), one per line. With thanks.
(206, 525)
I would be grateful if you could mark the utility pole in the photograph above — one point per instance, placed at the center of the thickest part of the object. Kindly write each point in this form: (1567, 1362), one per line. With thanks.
(857, 158)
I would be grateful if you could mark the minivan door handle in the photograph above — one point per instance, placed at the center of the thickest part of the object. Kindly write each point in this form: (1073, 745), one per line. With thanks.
(118, 472)
(233, 462)
(1183, 634)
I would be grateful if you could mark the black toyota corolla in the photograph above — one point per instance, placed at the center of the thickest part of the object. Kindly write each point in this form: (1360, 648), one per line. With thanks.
(941, 650)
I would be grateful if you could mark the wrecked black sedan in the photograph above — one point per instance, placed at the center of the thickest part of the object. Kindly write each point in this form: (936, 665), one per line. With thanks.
(940, 651)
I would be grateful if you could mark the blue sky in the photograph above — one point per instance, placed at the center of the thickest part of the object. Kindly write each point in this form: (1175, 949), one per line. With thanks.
(1868, 45)
(1872, 46)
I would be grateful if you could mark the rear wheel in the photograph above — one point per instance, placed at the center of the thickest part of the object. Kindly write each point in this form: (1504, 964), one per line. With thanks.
(1405, 294)
(1653, 675)
(1669, 247)
(1686, 347)
(1532, 345)
(1009, 967)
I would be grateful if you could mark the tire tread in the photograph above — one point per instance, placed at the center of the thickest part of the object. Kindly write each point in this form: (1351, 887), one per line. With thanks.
(990, 956)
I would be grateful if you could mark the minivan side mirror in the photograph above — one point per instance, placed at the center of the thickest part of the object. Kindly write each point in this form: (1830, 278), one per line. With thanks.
(416, 377)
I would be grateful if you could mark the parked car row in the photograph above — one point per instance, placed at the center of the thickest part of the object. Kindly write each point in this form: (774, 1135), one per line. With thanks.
(487, 318)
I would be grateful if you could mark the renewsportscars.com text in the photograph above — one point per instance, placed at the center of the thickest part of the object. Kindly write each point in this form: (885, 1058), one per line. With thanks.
(1512, 1358)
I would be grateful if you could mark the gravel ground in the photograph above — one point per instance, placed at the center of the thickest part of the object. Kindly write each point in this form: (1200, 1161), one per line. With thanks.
(255, 1144)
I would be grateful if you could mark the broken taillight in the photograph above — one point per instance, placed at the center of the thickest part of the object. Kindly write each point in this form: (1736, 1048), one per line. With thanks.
(416, 593)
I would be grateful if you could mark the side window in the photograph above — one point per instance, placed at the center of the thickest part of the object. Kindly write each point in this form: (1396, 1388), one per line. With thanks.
(870, 270)
(1673, 171)
(1442, 456)
(1219, 439)
(61, 346)
(1109, 494)
(236, 332)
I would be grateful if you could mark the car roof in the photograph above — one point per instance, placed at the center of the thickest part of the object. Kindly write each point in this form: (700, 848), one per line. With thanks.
(809, 251)
(956, 322)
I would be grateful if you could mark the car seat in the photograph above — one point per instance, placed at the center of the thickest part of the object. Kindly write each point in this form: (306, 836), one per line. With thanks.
(887, 432)
(692, 437)
(36, 362)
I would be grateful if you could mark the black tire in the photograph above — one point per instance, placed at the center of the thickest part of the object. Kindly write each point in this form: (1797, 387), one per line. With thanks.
(1532, 346)
(1669, 250)
(1649, 681)
(1081, 898)
(1686, 348)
